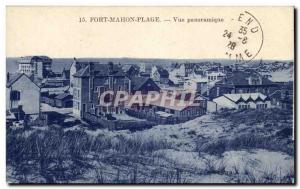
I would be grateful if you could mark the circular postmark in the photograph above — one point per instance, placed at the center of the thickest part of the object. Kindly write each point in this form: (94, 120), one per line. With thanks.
(244, 38)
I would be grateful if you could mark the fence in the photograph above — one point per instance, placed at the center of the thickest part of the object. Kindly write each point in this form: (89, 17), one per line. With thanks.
(117, 124)
(150, 116)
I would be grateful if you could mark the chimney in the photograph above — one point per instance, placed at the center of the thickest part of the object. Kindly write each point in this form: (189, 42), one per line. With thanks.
(110, 67)
(91, 68)
(7, 77)
(77, 66)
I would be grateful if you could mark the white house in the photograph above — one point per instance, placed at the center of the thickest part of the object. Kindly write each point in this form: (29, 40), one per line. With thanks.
(243, 101)
(198, 85)
(22, 95)
(160, 74)
(215, 76)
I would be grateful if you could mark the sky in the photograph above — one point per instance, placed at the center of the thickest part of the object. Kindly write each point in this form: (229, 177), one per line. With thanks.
(57, 32)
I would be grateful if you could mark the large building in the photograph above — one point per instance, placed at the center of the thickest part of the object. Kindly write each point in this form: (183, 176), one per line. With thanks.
(171, 111)
(243, 101)
(39, 66)
(94, 79)
(22, 96)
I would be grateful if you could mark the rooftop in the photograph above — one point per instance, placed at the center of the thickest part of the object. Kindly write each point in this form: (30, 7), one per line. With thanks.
(241, 78)
(97, 69)
(245, 96)
(31, 59)
(15, 77)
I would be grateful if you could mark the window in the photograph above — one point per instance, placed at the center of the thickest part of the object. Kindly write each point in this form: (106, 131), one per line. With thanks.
(75, 92)
(92, 83)
(127, 86)
(261, 106)
(244, 106)
(15, 95)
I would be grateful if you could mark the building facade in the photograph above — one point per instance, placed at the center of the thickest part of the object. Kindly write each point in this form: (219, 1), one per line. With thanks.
(243, 101)
(93, 80)
(197, 85)
(159, 74)
(39, 66)
(242, 82)
(22, 96)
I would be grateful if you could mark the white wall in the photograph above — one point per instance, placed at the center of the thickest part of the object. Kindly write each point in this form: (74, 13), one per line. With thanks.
(211, 106)
(72, 72)
(223, 102)
(29, 95)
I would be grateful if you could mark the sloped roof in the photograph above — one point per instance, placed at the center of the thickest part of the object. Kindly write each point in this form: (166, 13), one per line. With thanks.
(127, 67)
(138, 82)
(83, 72)
(29, 59)
(63, 96)
(15, 77)
(241, 78)
(99, 70)
(162, 71)
(245, 96)
(276, 94)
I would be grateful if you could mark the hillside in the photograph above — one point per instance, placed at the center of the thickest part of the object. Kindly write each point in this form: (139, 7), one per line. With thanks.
(224, 147)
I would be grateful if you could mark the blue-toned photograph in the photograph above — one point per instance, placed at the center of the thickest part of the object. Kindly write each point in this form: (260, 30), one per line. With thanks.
(93, 119)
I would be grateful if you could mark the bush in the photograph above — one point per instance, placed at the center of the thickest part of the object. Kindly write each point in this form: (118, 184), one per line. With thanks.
(218, 147)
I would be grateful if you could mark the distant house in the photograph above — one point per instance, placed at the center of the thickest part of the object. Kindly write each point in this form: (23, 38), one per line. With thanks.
(159, 74)
(144, 74)
(283, 97)
(198, 85)
(131, 70)
(48, 98)
(64, 100)
(145, 68)
(22, 96)
(57, 79)
(39, 66)
(55, 82)
(243, 101)
(215, 76)
(247, 81)
(186, 69)
(143, 84)
(65, 74)
(198, 73)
